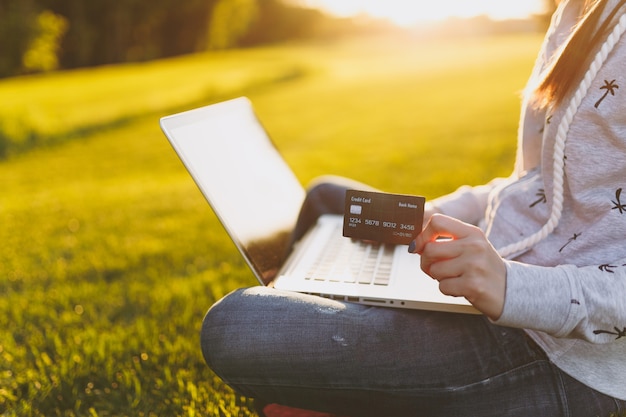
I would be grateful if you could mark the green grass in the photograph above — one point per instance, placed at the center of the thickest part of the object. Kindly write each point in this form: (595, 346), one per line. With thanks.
(109, 255)
(38, 110)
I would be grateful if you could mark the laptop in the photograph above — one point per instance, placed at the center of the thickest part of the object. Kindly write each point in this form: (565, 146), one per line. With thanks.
(257, 198)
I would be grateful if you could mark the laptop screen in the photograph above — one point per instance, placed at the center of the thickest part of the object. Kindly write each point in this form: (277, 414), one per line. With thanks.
(250, 187)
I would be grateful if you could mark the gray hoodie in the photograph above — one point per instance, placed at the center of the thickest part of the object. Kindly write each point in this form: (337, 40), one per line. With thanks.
(560, 218)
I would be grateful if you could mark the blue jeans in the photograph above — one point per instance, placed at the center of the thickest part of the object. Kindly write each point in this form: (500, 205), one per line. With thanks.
(360, 361)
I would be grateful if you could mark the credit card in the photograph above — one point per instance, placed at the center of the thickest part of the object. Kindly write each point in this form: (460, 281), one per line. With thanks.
(383, 217)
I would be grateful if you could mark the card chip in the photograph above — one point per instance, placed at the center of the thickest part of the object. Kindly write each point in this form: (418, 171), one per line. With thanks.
(354, 209)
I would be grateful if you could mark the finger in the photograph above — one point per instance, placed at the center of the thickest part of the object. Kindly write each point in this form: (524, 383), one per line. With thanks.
(442, 249)
(452, 263)
(468, 256)
(452, 286)
(440, 226)
(445, 269)
(439, 254)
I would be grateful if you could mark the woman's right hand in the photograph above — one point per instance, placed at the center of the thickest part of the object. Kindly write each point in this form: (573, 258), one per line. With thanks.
(460, 257)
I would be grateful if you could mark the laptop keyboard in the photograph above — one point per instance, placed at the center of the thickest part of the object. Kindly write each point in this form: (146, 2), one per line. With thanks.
(356, 262)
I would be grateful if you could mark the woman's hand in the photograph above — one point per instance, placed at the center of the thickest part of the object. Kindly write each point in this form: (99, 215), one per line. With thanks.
(460, 257)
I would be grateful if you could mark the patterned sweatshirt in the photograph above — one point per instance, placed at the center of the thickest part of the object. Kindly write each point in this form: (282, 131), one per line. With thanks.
(560, 218)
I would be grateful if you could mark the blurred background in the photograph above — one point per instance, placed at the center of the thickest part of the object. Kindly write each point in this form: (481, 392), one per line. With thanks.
(45, 35)
(109, 255)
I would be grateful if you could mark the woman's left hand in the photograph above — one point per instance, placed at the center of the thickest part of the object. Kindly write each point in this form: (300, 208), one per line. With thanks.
(460, 257)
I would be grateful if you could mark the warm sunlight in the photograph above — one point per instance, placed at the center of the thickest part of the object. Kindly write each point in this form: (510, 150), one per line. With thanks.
(405, 12)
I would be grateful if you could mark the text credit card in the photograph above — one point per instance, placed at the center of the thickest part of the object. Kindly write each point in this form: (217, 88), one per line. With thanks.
(383, 217)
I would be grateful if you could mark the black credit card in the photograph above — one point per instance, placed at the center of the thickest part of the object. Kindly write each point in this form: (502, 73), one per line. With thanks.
(383, 217)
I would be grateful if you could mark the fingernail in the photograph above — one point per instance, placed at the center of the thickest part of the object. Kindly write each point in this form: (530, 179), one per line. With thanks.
(412, 246)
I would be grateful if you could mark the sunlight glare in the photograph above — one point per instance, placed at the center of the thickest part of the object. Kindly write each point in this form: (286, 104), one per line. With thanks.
(403, 12)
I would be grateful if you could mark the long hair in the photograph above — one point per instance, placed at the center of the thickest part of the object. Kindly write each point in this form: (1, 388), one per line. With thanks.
(571, 63)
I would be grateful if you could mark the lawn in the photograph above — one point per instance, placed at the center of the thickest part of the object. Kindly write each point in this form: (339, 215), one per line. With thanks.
(110, 256)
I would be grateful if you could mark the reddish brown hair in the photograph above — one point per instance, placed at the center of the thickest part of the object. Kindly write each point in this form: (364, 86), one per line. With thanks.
(569, 67)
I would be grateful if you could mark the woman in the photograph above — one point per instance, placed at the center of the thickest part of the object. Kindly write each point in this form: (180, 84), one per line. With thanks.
(540, 253)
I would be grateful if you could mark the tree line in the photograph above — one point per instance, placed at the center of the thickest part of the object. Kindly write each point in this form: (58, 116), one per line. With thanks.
(44, 35)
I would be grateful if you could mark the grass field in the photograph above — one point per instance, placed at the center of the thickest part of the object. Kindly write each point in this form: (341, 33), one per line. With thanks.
(109, 255)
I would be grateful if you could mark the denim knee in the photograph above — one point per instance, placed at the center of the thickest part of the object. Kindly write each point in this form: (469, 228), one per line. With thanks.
(214, 335)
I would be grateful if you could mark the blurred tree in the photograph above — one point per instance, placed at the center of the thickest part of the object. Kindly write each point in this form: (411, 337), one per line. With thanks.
(17, 29)
(39, 35)
(230, 20)
(34, 37)
(279, 21)
(42, 52)
(104, 32)
(185, 25)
